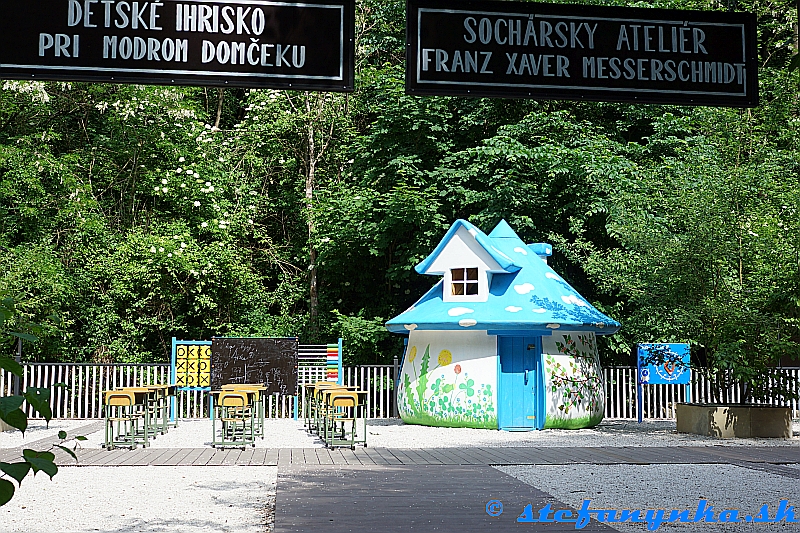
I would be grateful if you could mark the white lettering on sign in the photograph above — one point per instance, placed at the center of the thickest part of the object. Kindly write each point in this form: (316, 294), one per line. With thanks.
(545, 32)
(122, 14)
(254, 53)
(203, 18)
(59, 44)
(542, 33)
(531, 64)
(644, 69)
(461, 61)
(674, 39)
(138, 48)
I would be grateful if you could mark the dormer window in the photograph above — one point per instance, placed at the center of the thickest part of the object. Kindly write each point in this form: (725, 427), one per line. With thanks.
(464, 281)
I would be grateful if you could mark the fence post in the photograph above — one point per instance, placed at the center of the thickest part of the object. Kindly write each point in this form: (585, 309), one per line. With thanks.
(395, 377)
(18, 358)
(172, 373)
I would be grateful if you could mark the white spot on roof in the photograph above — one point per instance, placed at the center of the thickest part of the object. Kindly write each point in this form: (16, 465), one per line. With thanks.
(410, 327)
(467, 322)
(513, 309)
(552, 276)
(473, 232)
(521, 250)
(458, 311)
(553, 326)
(525, 288)
(540, 310)
(572, 299)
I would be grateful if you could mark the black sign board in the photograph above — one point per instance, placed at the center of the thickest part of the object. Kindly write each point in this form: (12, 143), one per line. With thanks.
(246, 43)
(271, 361)
(581, 52)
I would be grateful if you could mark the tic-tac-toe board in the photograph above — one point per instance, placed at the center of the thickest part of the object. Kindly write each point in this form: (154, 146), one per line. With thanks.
(191, 364)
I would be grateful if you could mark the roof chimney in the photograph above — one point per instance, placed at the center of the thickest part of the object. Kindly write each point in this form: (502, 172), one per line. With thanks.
(542, 249)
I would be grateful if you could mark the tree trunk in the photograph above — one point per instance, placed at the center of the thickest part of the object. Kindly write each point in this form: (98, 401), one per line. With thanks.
(313, 297)
(797, 30)
(220, 100)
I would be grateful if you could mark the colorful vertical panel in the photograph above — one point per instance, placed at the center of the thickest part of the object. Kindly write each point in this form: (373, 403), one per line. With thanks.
(332, 371)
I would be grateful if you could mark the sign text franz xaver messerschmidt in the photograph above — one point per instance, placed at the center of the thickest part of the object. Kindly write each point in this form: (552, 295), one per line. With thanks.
(246, 43)
(581, 52)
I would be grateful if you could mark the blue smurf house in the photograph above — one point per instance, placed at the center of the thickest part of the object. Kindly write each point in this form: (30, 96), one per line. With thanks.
(502, 341)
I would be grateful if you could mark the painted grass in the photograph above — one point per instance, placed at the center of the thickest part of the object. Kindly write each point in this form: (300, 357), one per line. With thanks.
(583, 422)
(452, 421)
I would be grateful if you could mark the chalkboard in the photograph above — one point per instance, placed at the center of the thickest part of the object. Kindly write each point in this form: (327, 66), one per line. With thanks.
(271, 361)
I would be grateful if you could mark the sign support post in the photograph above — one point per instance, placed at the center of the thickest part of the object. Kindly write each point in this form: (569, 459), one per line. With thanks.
(172, 381)
(642, 375)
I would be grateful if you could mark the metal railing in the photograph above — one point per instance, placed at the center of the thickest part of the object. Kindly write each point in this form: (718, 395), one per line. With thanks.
(80, 396)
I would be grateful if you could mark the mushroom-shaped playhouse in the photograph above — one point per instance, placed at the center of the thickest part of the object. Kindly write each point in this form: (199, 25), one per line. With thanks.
(502, 341)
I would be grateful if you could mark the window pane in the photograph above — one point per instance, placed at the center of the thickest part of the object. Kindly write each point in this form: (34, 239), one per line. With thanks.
(472, 274)
(458, 289)
(472, 288)
(458, 274)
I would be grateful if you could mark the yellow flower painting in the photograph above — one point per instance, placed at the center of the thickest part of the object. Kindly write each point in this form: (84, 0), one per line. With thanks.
(445, 358)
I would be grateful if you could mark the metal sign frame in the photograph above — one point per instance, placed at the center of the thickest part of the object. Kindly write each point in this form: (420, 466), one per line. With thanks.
(490, 48)
(306, 45)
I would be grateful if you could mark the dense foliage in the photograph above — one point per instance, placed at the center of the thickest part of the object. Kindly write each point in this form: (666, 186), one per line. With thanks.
(132, 214)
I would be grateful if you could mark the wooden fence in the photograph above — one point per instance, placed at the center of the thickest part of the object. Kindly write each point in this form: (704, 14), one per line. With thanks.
(80, 394)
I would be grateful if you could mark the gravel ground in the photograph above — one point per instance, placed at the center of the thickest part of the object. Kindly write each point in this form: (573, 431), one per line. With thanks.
(666, 487)
(182, 499)
(393, 433)
(242, 499)
(37, 429)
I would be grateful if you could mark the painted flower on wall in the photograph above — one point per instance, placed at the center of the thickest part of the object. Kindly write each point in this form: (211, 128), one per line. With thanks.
(412, 354)
(441, 402)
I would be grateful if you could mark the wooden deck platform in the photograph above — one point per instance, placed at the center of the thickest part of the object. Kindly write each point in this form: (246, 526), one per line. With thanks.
(767, 459)
(760, 458)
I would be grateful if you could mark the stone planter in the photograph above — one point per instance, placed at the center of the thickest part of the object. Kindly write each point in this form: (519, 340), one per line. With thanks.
(727, 421)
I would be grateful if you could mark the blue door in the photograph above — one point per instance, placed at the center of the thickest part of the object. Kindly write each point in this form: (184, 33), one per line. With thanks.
(520, 380)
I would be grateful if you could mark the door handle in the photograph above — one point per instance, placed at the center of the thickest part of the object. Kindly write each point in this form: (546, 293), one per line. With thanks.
(526, 377)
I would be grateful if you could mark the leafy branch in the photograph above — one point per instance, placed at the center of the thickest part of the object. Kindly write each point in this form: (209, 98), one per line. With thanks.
(11, 413)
